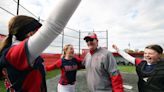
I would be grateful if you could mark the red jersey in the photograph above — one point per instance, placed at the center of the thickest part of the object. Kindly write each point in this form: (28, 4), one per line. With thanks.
(23, 77)
(68, 69)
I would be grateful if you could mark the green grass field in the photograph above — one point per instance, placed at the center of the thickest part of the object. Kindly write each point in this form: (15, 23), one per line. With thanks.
(51, 74)
(128, 69)
(2, 88)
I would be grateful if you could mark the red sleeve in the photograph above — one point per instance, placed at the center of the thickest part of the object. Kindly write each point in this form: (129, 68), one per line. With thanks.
(137, 61)
(80, 65)
(117, 83)
(79, 60)
(56, 64)
(17, 56)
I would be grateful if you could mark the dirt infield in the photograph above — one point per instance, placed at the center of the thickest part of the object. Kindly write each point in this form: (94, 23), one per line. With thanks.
(130, 83)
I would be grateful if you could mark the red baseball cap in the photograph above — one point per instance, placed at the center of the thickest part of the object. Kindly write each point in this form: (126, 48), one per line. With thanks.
(91, 35)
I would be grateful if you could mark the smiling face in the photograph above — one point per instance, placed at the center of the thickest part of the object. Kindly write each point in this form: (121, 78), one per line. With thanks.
(92, 43)
(151, 56)
(70, 51)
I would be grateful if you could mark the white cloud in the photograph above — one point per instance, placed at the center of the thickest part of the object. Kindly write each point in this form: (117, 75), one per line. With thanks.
(138, 22)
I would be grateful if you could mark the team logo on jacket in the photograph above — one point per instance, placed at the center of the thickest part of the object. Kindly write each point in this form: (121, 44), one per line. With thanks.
(99, 58)
(70, 68)
(145, 79)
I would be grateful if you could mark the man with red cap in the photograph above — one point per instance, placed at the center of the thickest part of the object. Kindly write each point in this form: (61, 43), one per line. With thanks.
(102, 73)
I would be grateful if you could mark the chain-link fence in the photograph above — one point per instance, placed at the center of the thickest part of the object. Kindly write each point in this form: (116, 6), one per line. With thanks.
(9, 8)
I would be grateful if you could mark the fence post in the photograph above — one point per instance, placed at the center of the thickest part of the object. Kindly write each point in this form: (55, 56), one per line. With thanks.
(107, 39)
(79, 42)
(62, 41)
(18, 8)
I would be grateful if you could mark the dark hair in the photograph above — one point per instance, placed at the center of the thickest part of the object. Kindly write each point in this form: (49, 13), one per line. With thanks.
(155, 47)
(19, 26)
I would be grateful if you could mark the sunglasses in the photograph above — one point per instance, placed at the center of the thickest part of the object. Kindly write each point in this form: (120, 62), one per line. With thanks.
(89, 39)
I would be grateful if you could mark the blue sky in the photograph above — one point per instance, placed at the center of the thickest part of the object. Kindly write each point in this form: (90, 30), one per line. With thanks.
(138, 22)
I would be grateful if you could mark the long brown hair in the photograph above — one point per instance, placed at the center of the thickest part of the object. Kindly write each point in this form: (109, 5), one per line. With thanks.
(19, 26)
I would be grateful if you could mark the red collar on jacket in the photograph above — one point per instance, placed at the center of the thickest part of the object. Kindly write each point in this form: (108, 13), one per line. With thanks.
(93, 51)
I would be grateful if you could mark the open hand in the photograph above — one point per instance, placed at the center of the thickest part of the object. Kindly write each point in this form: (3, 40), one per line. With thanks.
(115, 47)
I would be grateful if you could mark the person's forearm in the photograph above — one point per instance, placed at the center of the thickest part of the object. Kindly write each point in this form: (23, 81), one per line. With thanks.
(117, 82)
(49, 68)
(127, 56)
(51, 28)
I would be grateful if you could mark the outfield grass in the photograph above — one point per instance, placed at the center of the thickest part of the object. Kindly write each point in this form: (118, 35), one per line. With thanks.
(52, 74)
(128, 69)
(2, 88)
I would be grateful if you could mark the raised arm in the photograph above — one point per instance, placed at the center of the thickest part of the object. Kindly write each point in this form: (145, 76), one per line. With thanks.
(51, 28)
(124, 55)
(55, 65)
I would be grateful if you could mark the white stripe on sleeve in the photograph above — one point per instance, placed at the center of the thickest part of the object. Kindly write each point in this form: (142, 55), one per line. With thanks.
(127, 56)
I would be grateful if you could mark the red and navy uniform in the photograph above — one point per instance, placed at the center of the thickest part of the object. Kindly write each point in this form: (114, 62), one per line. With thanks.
(151, 77)
(68, 69)
(18, 71)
